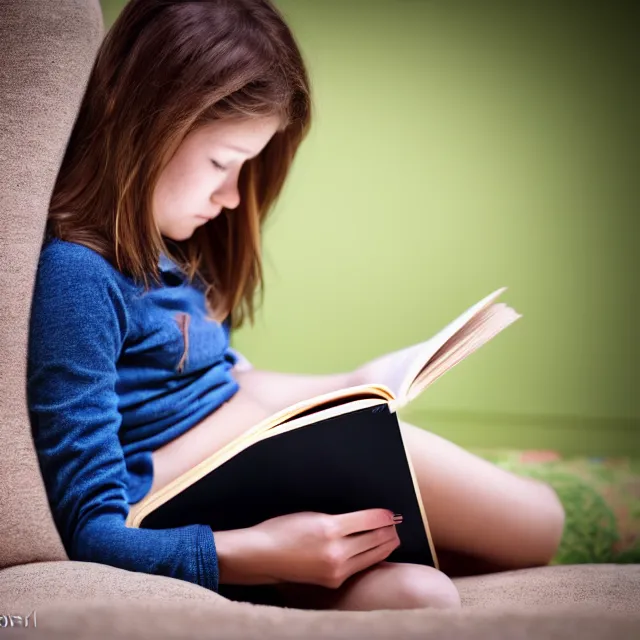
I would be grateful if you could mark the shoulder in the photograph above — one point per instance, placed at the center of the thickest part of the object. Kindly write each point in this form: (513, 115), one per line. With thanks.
(74, 259)
(71, 275)
(74, 268)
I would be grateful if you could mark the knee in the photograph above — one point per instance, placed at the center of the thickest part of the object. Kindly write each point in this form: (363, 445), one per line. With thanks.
(418, 587)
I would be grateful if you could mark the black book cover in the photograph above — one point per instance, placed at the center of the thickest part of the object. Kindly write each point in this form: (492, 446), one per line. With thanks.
(345, 463)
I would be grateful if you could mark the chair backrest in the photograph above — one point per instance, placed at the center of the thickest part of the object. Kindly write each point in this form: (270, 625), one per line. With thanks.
(47, 51)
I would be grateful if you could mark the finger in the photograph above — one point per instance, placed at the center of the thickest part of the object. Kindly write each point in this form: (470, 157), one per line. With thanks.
(360, 542)
(366, 520)
(369, 558)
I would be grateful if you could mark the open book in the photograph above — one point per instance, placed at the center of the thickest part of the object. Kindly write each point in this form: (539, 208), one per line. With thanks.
(338, 452)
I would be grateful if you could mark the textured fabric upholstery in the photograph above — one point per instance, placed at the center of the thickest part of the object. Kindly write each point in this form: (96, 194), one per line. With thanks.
(47, 51)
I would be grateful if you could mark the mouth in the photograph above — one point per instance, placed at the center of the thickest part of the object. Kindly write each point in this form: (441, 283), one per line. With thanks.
(210, 217)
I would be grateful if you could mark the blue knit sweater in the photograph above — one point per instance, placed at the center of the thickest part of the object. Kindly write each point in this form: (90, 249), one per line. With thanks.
(107, 384)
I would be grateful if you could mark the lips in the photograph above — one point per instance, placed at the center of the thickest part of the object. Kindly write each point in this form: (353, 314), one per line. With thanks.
(209, 217)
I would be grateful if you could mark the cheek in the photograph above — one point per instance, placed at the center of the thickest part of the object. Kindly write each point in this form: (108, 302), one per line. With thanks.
(164, 199)
(173, 192)
(185, 189)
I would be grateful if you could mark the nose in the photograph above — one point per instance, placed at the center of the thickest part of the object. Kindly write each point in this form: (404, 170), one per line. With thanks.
(227, 194)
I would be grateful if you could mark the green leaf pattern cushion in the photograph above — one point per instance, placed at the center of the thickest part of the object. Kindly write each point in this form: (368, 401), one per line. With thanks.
(601, 497)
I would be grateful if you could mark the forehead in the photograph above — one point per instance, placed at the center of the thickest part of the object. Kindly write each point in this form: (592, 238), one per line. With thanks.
(249, 133)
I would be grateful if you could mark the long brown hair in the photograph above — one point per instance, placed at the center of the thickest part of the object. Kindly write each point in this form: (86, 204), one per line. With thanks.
(164, 68)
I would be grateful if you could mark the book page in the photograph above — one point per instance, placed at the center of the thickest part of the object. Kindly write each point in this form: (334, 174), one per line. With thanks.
(484, 327)
(398, 370)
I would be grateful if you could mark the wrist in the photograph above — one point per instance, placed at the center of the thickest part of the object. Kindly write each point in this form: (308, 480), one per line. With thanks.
(243, 557)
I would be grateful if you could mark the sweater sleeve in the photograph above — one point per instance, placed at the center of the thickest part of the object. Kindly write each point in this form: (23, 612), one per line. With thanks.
(77, 328)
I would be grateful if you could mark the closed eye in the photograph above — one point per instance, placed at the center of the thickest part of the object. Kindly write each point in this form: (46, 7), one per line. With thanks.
(218, 166)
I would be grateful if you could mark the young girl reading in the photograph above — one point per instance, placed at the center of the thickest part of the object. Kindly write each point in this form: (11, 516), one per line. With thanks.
(191, 119)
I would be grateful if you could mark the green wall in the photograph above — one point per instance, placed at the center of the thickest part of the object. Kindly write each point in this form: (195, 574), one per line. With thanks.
(460, 146)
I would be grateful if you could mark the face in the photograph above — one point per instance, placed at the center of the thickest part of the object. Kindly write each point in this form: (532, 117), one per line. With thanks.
(202, 176)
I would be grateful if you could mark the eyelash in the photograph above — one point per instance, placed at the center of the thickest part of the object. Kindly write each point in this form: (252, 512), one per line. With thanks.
(217, 165)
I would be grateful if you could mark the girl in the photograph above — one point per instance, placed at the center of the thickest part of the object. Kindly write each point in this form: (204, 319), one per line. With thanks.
(191, 119)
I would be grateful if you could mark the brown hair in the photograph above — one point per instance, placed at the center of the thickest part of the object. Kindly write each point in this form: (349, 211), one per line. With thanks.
(164, 68)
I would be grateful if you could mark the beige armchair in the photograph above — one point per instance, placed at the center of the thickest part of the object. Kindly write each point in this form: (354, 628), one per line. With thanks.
(46, 52)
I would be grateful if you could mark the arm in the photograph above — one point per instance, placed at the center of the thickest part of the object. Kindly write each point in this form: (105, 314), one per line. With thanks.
(78, 323)
(276, 391)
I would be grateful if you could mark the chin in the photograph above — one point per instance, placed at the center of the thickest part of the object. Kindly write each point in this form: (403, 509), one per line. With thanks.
(178, 236)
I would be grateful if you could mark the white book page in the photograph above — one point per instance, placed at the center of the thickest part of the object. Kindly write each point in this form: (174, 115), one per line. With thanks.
(484, 327)
(398, 370)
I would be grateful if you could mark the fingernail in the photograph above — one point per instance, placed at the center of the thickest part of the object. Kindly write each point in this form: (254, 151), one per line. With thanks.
(397, 518)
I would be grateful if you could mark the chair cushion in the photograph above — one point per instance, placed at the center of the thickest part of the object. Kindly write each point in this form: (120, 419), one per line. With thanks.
(602, 587)
(177, 616)
(607, 586)
(39, 583)
(47, 50)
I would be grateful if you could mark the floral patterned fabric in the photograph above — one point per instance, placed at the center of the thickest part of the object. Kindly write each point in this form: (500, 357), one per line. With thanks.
(601, 497)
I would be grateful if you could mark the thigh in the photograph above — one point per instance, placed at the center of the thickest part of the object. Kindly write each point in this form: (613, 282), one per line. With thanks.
(474, 507)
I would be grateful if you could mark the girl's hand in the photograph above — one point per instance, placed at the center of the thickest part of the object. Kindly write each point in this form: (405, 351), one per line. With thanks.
(307, 547)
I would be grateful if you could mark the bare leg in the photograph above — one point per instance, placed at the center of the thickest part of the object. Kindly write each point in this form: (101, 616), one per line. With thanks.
(497, 519)
(387, 585)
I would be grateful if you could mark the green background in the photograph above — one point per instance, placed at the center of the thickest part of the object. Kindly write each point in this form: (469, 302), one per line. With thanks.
(461, 146)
